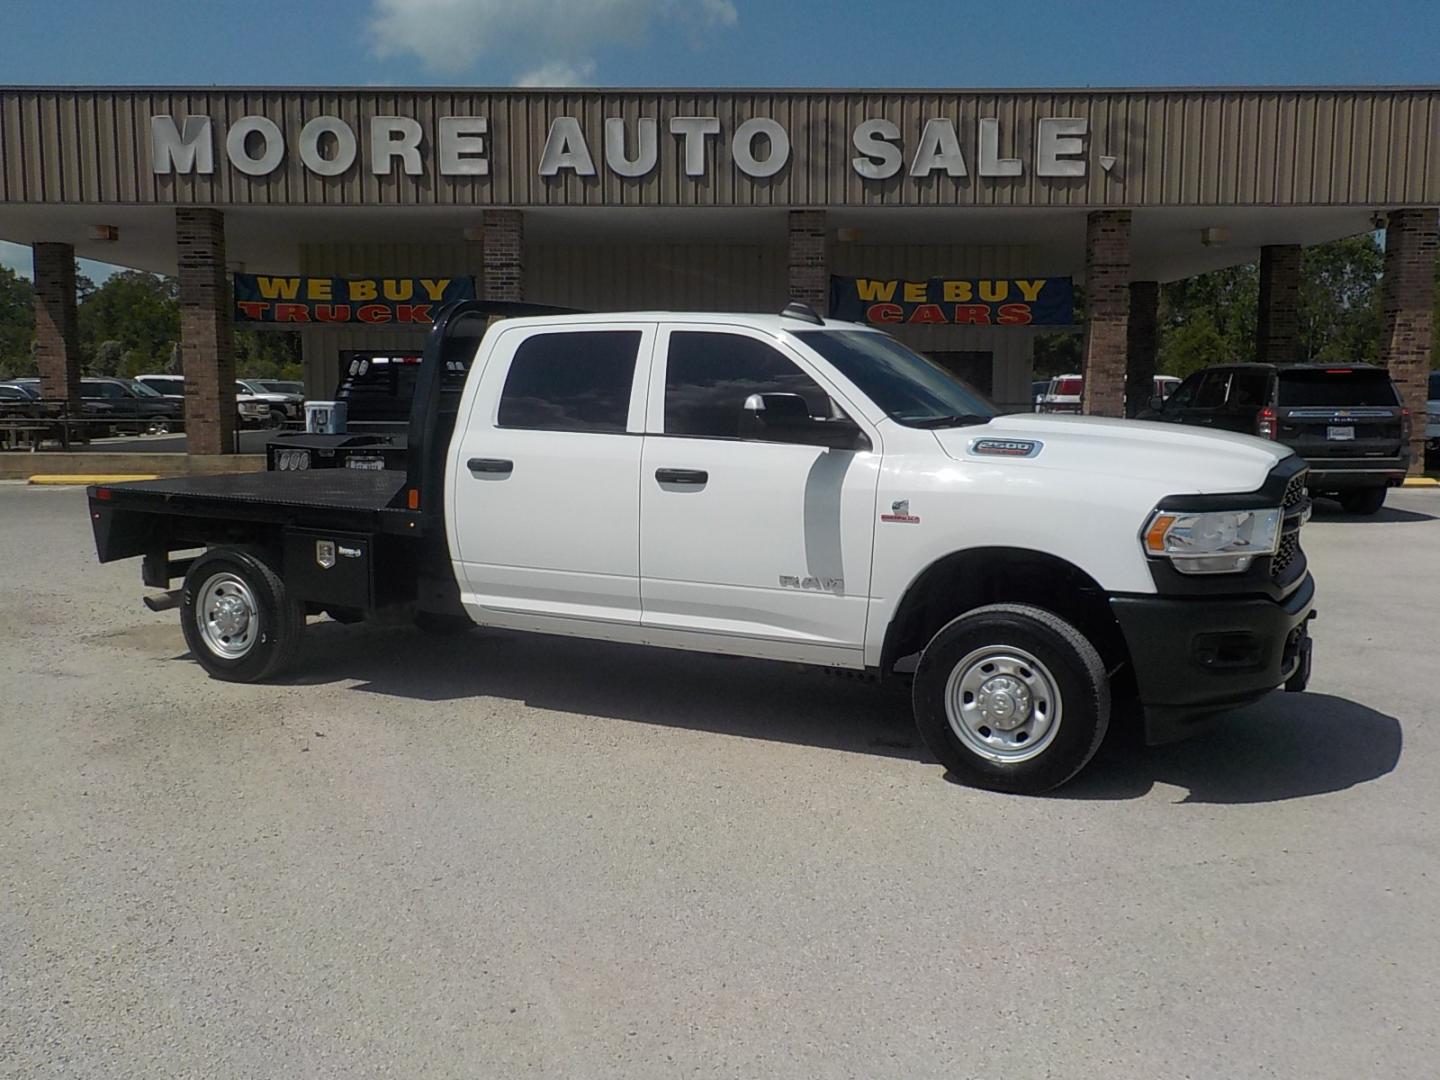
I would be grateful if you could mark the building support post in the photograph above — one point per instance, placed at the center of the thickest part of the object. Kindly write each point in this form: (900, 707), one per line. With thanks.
(1142, 330)
(809, 255)
(1107, 311)
(207, 338)
(57, 337)
(504, 255)
(1407, 296)
(1277, 328)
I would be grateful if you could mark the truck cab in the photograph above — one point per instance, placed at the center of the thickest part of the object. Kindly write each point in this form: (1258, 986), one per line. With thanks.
(782, 487)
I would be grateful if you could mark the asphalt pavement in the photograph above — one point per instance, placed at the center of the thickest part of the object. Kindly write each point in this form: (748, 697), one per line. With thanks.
(511, 856)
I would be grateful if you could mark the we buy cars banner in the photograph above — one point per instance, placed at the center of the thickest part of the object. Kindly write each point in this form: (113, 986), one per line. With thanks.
(954, 301)
(261, 298)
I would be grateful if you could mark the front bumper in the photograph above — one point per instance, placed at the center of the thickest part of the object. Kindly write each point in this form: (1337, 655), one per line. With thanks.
(1194, 657)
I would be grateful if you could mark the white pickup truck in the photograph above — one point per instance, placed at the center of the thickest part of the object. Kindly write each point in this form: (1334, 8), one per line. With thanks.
(782, 487)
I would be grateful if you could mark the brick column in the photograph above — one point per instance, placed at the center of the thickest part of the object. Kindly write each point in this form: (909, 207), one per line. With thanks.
(504, 255)
(1142, 341)
(1277, 331)
(809, 277)
(57, 337)
(1107, 310)
(1407, 293)
(207, 341)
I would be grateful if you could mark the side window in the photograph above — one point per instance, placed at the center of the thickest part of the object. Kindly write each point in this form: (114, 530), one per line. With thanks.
(708, 376)
(1211, 394)
(571, 382)
(1184, 395)
(1247, 389)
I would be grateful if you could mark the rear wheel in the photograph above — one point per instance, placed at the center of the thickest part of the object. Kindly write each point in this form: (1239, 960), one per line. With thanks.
(239, 619)
(1364, 501)
(1011, 698)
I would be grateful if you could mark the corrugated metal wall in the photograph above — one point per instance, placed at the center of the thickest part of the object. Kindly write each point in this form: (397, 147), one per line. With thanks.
(1361, 147)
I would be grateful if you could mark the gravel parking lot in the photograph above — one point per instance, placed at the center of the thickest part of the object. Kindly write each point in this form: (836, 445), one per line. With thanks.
(509, 856)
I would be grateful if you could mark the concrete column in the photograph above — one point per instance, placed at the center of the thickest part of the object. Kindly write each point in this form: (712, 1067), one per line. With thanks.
(504, 255)
(1107, 310)
(57, 337)
(1407, 293)
(1142, 340)
(809, 276)
(207, 340)
(1277, 331)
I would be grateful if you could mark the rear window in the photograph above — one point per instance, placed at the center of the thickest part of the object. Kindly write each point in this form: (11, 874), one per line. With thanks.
(1069, 387)
(1337, 386)
(1434, 392)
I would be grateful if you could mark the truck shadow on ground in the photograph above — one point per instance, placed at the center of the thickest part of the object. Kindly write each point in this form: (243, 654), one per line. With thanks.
(1328, 510)
(1288, 746)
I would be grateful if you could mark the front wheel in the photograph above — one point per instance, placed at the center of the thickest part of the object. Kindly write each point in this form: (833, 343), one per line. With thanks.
(1011, 698)
(1364, 501)
(239, 619)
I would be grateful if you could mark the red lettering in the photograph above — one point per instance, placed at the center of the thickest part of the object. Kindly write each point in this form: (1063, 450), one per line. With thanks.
(374, 313)
(927, 313)
(419, 313)
(1014, 315)
(332, 312)
(884, 313)
(253, 309)
(292, 313)
(972, 314)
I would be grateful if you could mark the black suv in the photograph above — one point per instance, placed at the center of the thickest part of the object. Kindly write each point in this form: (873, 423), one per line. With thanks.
(1345, 420)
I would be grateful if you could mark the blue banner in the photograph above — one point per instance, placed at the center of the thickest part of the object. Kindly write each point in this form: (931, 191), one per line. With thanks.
(281, 298)
(954, 301)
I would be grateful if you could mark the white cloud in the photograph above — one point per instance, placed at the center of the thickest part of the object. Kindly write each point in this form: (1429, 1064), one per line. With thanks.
(559, 73)
(544, 36)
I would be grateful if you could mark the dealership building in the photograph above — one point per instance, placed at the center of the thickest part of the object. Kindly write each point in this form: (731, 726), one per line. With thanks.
(956, 219)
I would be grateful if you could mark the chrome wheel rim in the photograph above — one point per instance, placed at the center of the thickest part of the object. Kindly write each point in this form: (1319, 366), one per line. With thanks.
(1003, 704)
(227, 616)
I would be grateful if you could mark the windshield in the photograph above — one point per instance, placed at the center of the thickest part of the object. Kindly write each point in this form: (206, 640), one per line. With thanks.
(274, 386)
(910, 389)
(1336, 386)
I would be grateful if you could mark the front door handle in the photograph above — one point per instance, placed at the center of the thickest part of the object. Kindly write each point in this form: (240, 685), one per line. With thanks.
(490, 465)
(692, 477)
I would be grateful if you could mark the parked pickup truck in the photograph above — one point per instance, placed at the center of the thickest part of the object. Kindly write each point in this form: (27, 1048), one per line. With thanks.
(783, 487)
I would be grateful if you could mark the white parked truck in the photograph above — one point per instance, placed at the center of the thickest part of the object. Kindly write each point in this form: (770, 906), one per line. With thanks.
(783, 487)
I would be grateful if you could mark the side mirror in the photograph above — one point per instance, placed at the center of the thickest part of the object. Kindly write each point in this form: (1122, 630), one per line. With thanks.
(786, 418)
(1157, 404)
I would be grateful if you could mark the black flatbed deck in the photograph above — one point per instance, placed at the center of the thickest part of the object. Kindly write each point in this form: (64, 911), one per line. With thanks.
(330, 498)
(332, 489)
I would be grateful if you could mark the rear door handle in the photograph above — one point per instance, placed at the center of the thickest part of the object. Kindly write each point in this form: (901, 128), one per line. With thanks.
(692, 477)
(490, 465)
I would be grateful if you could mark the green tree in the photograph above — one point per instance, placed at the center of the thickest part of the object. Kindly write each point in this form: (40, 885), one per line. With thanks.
(1340, 315)
(17, 324)
(136, 310)
(268, 354)
(1208, 319)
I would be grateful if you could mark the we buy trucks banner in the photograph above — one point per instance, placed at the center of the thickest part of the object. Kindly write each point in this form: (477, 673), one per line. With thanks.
(261, 298)
(954, 301)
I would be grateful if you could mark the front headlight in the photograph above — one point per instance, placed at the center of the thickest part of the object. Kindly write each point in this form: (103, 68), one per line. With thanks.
(1212, 541)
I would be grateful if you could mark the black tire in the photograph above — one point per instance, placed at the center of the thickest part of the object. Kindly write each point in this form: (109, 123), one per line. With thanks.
(278, 619)
(276, 419)
(1075, 673)
(1365, 501)
(440, 625)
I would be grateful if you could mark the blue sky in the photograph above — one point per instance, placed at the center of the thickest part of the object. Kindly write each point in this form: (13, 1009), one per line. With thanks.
(900, 43)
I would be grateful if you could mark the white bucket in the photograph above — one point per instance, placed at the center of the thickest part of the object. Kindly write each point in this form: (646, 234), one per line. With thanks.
(326, 417)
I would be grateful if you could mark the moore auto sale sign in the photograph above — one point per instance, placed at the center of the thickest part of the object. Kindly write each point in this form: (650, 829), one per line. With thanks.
(760, 147)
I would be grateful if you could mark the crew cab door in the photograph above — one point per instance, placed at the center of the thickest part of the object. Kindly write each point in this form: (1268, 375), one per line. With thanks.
(545, 518)
(740, 536)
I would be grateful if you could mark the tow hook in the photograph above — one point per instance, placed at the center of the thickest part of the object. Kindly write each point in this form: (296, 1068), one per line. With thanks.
(165, 601)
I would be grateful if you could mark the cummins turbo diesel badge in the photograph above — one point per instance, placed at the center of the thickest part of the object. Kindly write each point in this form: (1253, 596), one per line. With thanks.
(1006, 447)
